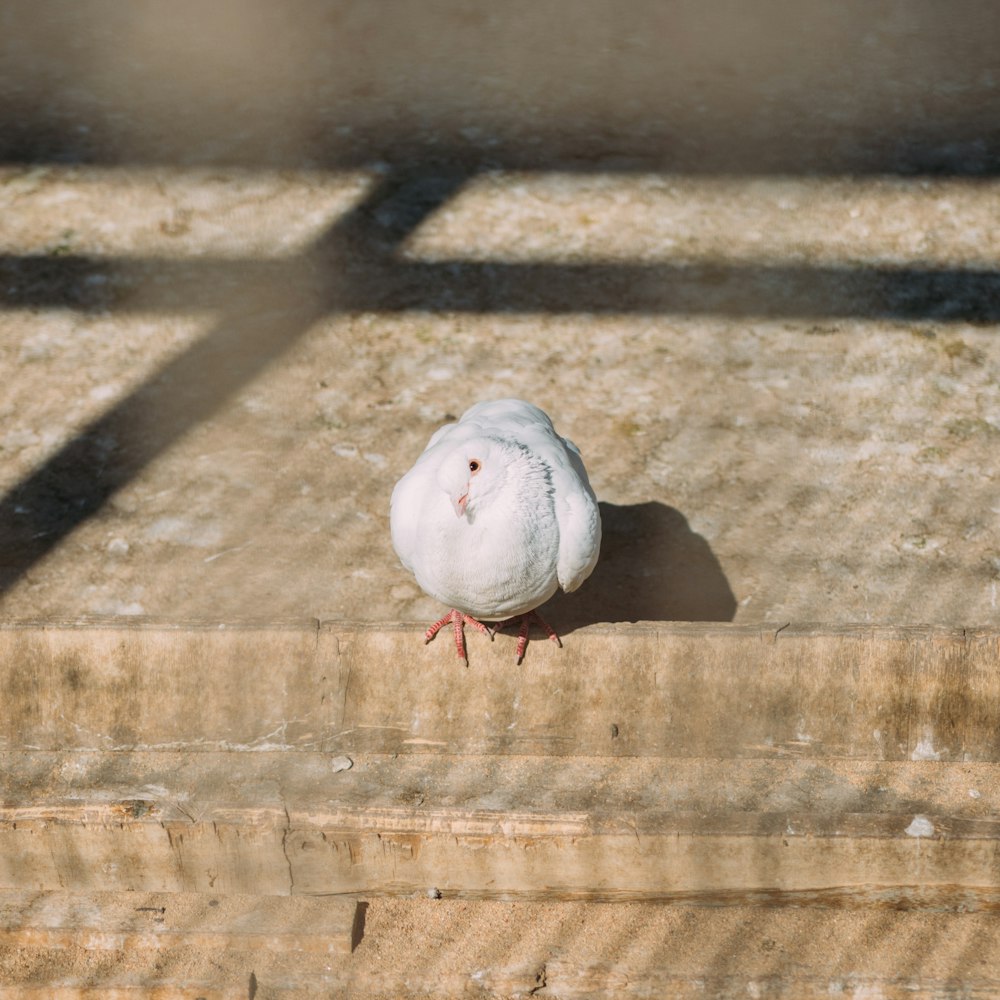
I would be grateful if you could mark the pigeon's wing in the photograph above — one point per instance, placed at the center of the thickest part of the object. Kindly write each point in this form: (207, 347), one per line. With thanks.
(577, 514)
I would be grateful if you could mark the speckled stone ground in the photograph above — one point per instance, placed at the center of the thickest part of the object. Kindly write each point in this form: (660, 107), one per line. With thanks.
(798, 467)
(252, 255)
(748, 263)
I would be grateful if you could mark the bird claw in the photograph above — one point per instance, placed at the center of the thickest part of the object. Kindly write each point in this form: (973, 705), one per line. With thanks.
(522, 635)
(458, 619)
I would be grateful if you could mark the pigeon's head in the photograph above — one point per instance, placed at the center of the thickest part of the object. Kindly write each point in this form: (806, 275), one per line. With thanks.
(473, 473)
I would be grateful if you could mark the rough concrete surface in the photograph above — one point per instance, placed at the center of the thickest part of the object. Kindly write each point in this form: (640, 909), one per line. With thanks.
(242, 303)
(801, 468)
(747, 260)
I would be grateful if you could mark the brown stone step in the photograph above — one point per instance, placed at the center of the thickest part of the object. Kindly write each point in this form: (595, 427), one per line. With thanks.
(676, 690)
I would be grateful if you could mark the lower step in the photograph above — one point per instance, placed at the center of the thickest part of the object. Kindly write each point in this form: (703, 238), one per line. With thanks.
(914, 833)
(173, 946)
(109, 921)
(414, 949)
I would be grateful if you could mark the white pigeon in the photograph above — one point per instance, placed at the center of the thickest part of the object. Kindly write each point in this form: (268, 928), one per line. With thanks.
(495, 515)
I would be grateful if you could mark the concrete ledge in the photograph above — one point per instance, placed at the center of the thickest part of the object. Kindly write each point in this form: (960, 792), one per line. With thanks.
(683, 690)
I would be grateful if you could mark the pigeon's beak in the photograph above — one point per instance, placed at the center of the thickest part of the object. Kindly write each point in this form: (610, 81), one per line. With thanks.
(459, 503)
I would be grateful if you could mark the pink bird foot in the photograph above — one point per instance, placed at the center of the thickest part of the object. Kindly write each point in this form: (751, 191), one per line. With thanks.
(522, 635)
(458, 619)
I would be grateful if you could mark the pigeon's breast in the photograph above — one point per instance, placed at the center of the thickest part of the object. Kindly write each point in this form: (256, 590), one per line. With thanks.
(499, 562)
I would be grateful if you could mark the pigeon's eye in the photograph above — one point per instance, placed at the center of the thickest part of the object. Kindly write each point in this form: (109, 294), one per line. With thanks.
(474, 465)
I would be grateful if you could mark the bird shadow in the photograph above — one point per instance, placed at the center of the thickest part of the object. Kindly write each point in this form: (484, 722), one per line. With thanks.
(652, 567)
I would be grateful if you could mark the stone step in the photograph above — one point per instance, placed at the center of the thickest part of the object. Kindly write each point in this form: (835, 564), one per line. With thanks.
(915, 833)
(288, 770)
(673, 690)
(114, 920)
(423, 948)
(182, 944)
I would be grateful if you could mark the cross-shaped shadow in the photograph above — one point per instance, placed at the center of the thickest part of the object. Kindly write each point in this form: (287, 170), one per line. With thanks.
(272, 307)
(266, 306)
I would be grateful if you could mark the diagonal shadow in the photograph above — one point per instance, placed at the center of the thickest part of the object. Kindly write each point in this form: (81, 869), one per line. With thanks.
(263, 316)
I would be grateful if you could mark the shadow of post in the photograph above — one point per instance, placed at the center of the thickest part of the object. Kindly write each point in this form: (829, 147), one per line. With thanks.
(653, 567)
